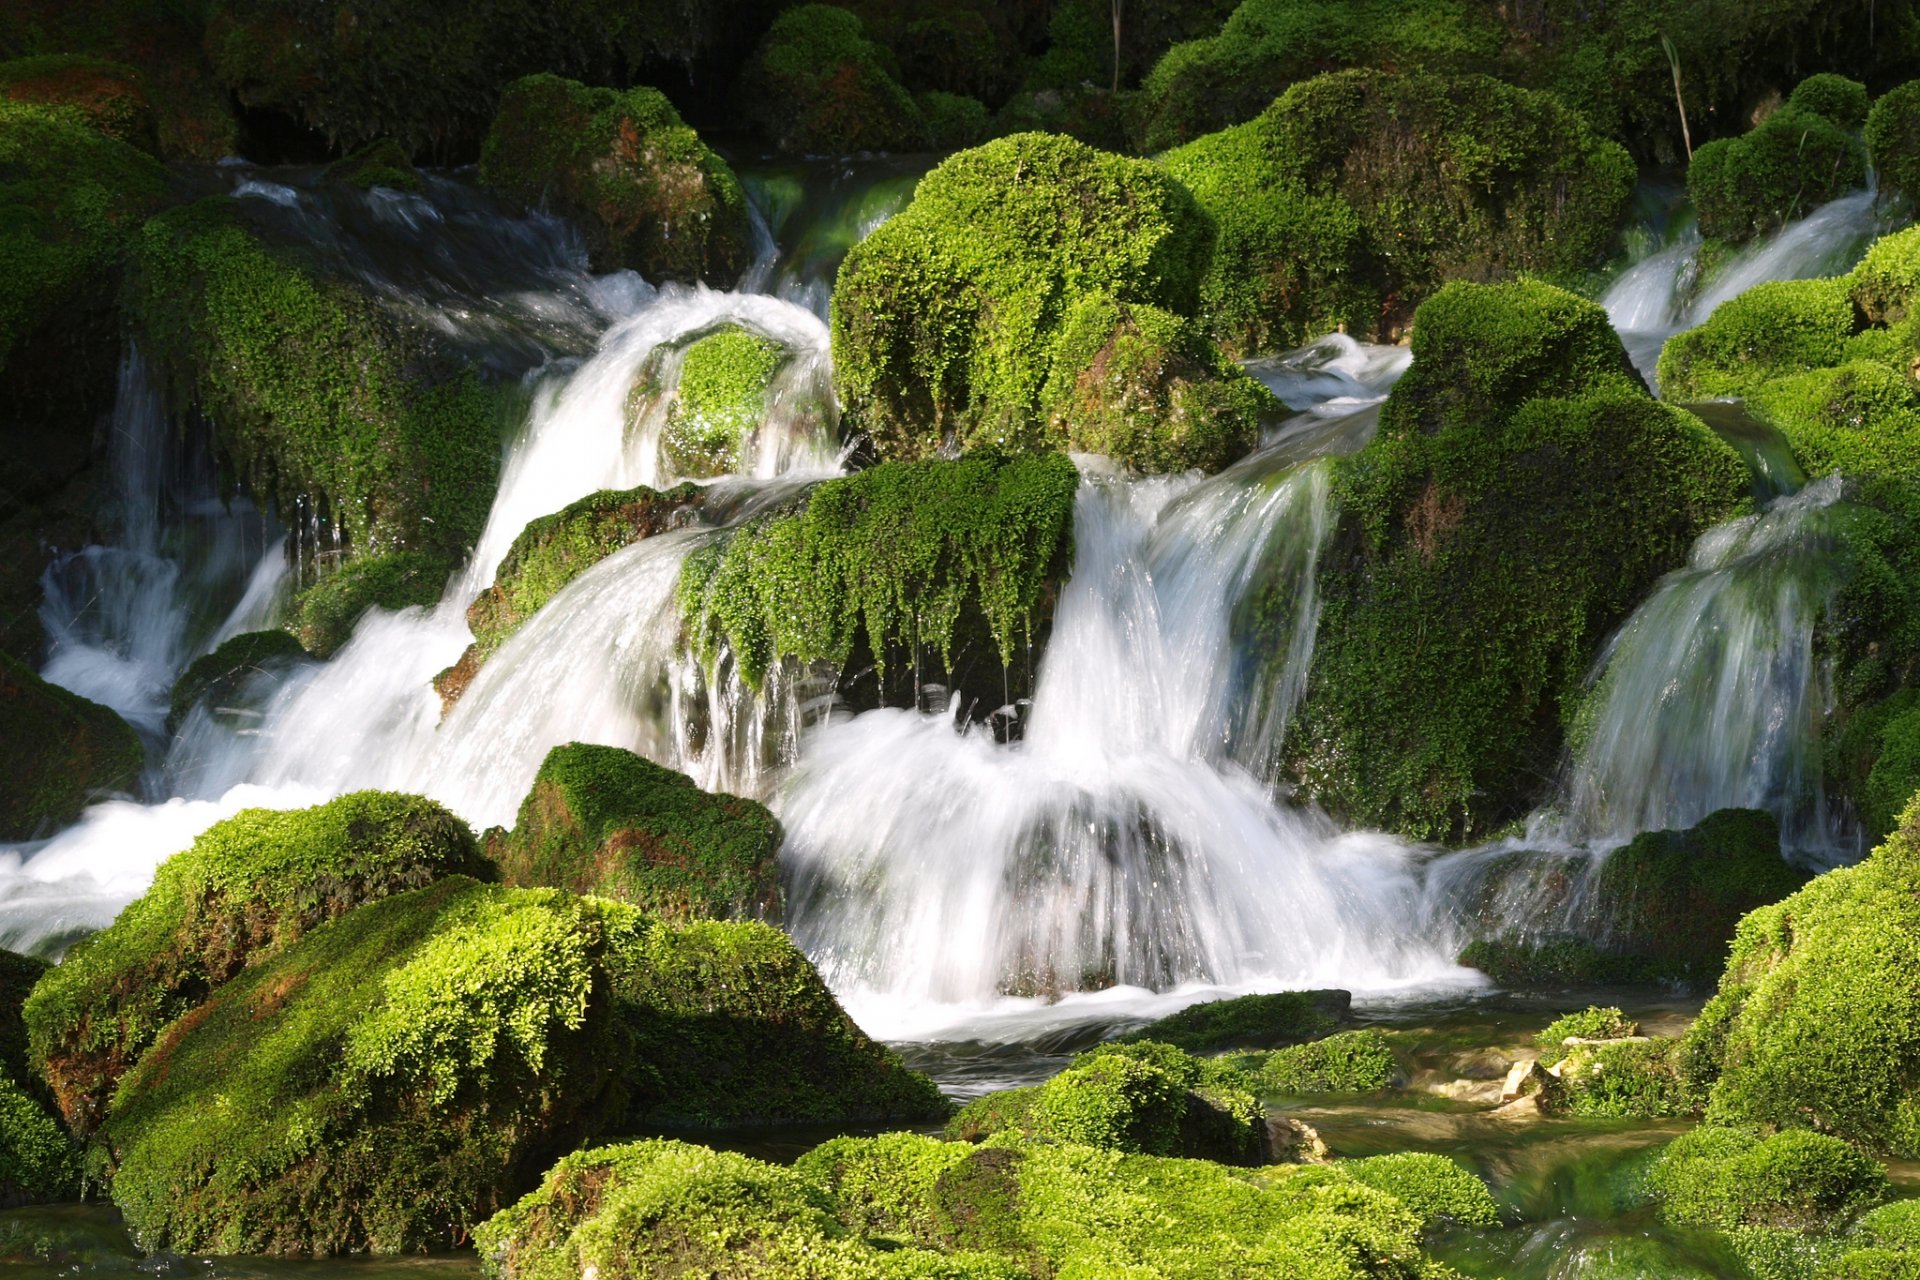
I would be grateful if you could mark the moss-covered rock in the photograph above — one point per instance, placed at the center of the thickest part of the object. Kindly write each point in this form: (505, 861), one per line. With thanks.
(645, 190)
(247, 889)
(605, 821)
(1439, 1190)
(1554, 960)
(59, 752)
(1772, 330)
(719, 402)
(38, 1162)
(1637, 1077)
(1250, 1022)
(1522, 495)
(1783, 168)
(953, 120)
(217, 677)
(317, 393)
(1817, 1021)
(1835, 97)
(960, 319)
(1893, 139)
(1894, 777)
(818, 86)
(110, 95)
(953, 559)
(381, 163)
(1347, 1062)
(1002, 1111)
(324, 615)
(1796, 1180)
(1595, 1022)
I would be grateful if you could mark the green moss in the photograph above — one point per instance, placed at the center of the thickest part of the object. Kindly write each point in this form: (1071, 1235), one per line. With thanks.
(720, 401)
(1557, 960)
(60, 752)
(110, 95)
(1835, 97)
(1773, 330)
(1522, 495)
(894, 553)
(18, 974)
(1591, 1023)
(1893, 139)
(37, 1161)
(1349, 1062)
(224, 673)
(324, 615)
(1434, 1187)
(605, 821)
(1796, 1180)
(1783, 168)
(953, 120)
(1640, 1079)
(1249, 1022)
(317, 395)
(1114, 1102)
(1004, 1111)
(1895, 776)
(947, 319)
(644, 189)
(248, 888)
(818, 86)
(381, 163)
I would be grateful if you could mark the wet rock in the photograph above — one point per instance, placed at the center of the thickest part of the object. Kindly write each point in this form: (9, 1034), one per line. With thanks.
(1251, 1022)
(59, 753)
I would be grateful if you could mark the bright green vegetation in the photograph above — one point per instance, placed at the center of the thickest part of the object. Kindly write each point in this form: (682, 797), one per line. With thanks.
(1034, 295)
(720, 401)
(314, 391)
(1358, 193)
(1772, 330)
(109, 95)
(1522, 495)
(1817, 1021)
(1434, 1187)
(381, 163)
(325, 614)
(1785, 166)
(818, 86)
(605, 821)
(1349, 1062)
(1893, 139)
(1619, 1079)
(1883, 1244)
(248, 888)
(896, 557)
(59, 752)
(37, 1161)
(1249, 1022)
(223, 674)
(1794, 1180)
(1003, 1111)
(645, 190)
(1590, 1023)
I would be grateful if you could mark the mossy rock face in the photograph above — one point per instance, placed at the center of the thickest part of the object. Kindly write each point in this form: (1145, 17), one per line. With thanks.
(1843, 101)
(18, 973)
(955, 560)
(957, 319)
(644, 189)
(38, 1162)
(1520, 425)
(1251, 1022)
(605, 821)
(719, 403)
(1786, 166)
(317, 394)
(1793, 1180)
(818, 86)
(1817, 1021)
(110, 95)
(217, 677)
(247, 889)
(386, 1082)
(59, 753)
(324, 615)
(1893, 139)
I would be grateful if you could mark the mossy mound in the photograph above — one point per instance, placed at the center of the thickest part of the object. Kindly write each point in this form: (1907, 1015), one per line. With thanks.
(1356, 194)
(953, 120)
(1434, 1187)
(605, 821)
(60, 751)
(960, 319)
(1638, 1078)
(1835, 97)
(644, 189)
(818, 86)
(901, 560)
(110, 95)
(1347, 1062)
(1555, 960)
(1793, 1180)
(1773, 330)
(1250, 1022)
(719, 402)
(1895, 776)
(247, 889)
(324, 615)
(316, 393)
(1783, 168)
(1595, 1022)
(1893, 139)
(38, 1162)
(381, 163)
(217, 677)
(1522, 495)
(1882, 1244)
(1817, 1021)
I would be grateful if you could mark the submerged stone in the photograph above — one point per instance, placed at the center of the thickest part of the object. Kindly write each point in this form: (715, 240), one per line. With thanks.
(59, 753)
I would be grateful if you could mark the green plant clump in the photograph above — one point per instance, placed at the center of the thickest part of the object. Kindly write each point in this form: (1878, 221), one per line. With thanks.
(1522, 495)
(1793, 1180)
(1773, 330)
(224, 673)
(646, 192)
(1436, 1188)
(818, 86)
(1250, 1022)
(1893, 139)
(324, 615)
(1350, 1062)
(1631, 1078)
(58, 753)
(720, 402)
(1591, 1023)
(896, 553)
(1783, 168)
(381, 163)
(1839, 99)
(248, 888)
(1519, 960)
(605, 821)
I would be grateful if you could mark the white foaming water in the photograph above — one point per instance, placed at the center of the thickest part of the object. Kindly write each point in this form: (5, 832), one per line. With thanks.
(1333, 376)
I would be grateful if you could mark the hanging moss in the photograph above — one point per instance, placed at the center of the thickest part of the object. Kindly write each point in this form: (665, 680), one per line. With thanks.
(818, 86)
(646, 192)
(323, 616)
(719, 402)
(894, 553)
(605, 821)
(1893, 139)
(59, 753)
(224, 674)
(1786, 166)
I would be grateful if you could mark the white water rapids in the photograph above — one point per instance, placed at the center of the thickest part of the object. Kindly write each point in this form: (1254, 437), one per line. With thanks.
(946, 883)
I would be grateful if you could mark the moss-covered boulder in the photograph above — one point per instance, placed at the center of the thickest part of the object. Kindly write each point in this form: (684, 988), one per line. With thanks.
(1893, 139)
(644, 189)
(718, 402)
(110, 95)
(1032, 296)
(219, 677)
(1346, 1062)
(950, 561)
(818, 86)
(1250, 1022)
(247, 889)
(1817, 1021)
(1439, 1190)
(1773, 330)
(605, 821)
(60, 751)
(380, 163)
(1522, 495)
(1796, 1180)
(323, 616)
(1843, 101)
(37, 1160)
(1783, 168)
(1356, 194)
(1153, 1098)
(1638, 1077)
